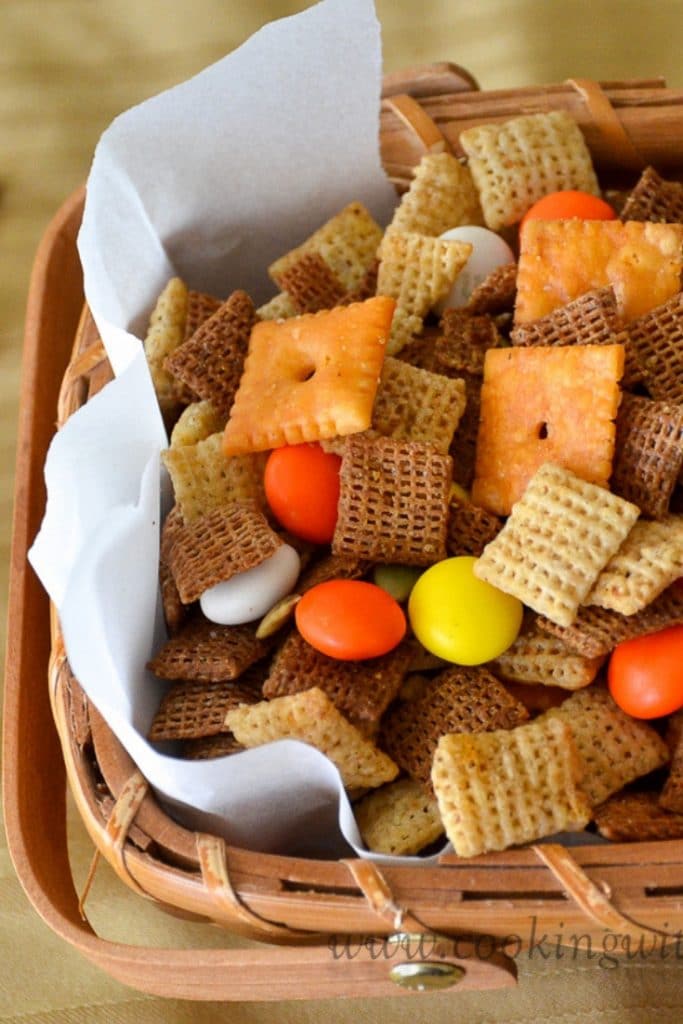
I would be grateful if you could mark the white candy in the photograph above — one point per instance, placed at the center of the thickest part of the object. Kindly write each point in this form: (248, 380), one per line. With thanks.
(488, 252)
(249, 595)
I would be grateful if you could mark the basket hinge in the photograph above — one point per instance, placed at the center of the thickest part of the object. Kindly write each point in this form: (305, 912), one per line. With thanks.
(593, 900)
(607, 122)
(415, 117)
(213, 863)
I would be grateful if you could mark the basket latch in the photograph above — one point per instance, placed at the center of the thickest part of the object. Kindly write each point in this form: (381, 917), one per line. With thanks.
(417, 957)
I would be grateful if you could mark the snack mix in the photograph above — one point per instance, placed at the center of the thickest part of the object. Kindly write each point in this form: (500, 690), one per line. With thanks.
(532, 432)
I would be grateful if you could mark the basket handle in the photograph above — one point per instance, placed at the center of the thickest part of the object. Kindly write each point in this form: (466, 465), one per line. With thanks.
(339, 966)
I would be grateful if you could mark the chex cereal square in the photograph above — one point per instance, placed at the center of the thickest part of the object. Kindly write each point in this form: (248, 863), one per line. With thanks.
(521, 160)
(559, 535)
(393, 501)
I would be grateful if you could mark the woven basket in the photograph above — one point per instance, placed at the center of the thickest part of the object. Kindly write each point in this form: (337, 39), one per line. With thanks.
(453, 911)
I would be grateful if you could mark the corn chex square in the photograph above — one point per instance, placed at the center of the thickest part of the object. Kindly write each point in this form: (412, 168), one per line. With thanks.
(165, 333)
(310, 377)
(558, 538)
(503, 788)
(441, 196)
(648, 561)
(347, 243)
(310, 716)
(539, 659)
(399, 819)
(393, 501)
(560, 260)
(521, 160)
(197, 422)
(545, 404)
(614, 748)
(417, 271)
(280, 307)
(204, 479)
(416, 405)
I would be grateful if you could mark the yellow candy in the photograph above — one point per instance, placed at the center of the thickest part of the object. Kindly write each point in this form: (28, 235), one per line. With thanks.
(460, 618)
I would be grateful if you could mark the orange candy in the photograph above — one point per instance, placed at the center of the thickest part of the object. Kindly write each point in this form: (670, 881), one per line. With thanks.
(302, 489)
(350, 620)
(567, 204)
(644, 675)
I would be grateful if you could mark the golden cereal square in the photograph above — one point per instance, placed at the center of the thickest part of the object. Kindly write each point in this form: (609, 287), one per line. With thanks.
(545, 404)
(204, 478)
(648, 561)
(614, 748)
(347, 243)
(417, 271)
(563, 259)
(165, 333)
(310, 716)
(399, 819)
(558, 537)
(441, 196)
(519, 161)
(310, 377)
(499, 789)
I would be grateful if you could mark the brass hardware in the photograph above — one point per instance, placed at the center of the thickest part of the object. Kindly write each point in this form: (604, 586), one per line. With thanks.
(419, 974)
(426, 975)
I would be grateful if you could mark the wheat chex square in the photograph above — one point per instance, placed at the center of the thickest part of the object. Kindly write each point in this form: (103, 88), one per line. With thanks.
(393, 502)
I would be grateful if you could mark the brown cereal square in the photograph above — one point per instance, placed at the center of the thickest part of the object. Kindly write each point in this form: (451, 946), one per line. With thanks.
(393, 502)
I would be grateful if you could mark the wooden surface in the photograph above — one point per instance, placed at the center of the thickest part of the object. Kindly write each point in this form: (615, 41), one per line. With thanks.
(66, 68)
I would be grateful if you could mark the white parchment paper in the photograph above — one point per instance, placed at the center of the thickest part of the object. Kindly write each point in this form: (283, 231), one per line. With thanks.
(211, 180)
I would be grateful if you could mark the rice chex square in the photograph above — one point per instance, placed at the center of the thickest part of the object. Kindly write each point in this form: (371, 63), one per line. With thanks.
(416, 405)
(310, 716)
(399, 819)
(519, 161)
